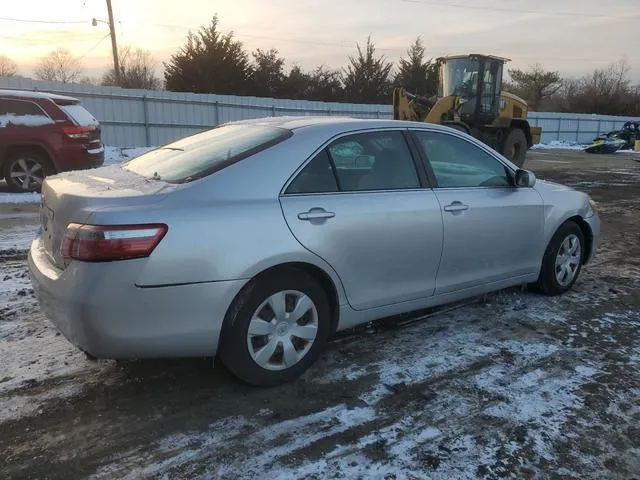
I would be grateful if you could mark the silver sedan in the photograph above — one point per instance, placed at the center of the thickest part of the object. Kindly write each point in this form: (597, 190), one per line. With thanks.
(256, 240)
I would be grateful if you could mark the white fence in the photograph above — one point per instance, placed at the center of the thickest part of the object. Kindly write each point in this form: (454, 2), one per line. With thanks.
(575, 127)
(136, 118)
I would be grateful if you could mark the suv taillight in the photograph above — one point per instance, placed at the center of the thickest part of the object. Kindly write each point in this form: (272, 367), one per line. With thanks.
(102, 243)
(77, 132)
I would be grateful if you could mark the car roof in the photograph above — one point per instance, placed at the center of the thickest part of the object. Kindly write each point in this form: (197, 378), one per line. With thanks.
(38, 95)
(344, 123)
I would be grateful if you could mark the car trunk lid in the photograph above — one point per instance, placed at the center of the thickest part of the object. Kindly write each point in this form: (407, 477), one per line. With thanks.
(86, 129)
(73, 196)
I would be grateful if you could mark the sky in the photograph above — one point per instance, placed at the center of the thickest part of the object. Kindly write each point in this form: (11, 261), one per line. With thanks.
(572, 36)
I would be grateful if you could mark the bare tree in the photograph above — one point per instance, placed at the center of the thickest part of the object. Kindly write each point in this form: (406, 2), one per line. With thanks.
(137, 70)
(605, 91)
(8, 67)
(59, 66)
(87, 80)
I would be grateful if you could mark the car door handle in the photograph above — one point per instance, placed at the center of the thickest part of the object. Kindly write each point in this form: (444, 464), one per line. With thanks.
(316, 214)
(456, 207)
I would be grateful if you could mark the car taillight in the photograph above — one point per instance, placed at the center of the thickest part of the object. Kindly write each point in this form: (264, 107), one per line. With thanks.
(101, 243)
(77, 132)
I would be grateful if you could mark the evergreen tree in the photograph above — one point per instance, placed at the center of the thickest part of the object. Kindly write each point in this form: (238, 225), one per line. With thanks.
(366, 78)
(268, 73)
(534, 84)
(210, 62)
(415, 74)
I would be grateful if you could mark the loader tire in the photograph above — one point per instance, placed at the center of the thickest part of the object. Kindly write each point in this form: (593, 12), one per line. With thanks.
(515, 147)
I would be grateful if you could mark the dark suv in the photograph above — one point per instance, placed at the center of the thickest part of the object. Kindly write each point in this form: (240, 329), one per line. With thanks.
(42, 134)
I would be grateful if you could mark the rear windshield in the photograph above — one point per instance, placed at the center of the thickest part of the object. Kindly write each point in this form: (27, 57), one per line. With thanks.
(79, 115)
(205, 153)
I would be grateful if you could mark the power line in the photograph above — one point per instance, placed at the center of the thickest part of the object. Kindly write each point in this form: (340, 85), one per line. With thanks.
(279, 39)
(25, 20)
(351, 45)
(96, 45)
(516, 10)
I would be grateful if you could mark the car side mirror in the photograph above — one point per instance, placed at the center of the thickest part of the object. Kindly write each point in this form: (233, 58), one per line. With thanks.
(525, 178)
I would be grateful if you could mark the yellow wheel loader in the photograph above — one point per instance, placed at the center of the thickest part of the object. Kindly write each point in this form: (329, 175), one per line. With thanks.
(470, 99)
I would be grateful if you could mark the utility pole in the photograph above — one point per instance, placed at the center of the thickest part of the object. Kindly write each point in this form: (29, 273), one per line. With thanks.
(114, 44)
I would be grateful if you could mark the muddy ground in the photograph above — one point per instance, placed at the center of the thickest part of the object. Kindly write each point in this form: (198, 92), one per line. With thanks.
(512, 385)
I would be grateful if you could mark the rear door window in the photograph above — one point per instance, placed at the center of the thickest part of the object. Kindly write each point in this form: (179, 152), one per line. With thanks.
(374, 161)
(80, 115)
(205, 153)
(22, 113)
(316, 177)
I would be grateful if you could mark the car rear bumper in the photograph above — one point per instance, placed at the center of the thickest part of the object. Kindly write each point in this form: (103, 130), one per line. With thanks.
(99, 309)
(79, 157)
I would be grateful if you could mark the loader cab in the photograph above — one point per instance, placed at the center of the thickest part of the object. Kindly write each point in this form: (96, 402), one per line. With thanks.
(475, 81)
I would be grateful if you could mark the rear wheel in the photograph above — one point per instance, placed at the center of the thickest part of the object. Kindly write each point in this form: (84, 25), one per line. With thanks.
(276, 328)
(515, 146)
(25, 170)
(562, 260)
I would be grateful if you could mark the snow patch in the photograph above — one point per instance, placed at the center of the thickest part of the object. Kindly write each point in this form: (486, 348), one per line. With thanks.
(24, 120)
(559, 145)
(541, 399)
(181, 448)
(31, 350)
(266, 443)
(15, 406)
(18, 237)
(118, 155)
(16, 198)
(112, 180)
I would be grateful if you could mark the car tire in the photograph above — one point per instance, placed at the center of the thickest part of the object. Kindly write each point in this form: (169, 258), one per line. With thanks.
(35, 166)
(515, 147)
(565, 251)
(256, 347)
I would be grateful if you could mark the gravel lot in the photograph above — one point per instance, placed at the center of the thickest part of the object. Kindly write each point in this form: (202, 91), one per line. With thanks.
(512, 385)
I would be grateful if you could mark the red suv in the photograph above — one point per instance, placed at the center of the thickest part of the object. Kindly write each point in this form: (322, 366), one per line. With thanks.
(42, 134)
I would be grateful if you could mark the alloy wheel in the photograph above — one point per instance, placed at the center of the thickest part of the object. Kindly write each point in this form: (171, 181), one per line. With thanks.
(26, 173)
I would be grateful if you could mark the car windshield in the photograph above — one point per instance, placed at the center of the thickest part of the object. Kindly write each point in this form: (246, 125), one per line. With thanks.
(462, 76)
(79, 115)
(205, 153)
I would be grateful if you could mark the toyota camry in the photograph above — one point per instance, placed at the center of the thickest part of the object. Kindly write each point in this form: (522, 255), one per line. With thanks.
(255, 241)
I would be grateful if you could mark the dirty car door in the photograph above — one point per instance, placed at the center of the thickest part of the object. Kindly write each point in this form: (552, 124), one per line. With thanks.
(493, 230)
(359, 204)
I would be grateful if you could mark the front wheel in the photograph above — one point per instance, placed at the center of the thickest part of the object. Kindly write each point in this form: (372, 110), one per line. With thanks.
(562, 260)
(515, 146)
(276, 328)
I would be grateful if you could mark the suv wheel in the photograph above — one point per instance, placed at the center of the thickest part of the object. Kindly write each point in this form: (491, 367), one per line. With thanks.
(25, 170)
